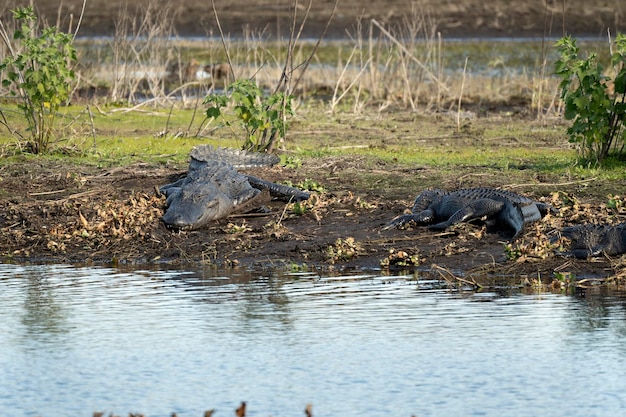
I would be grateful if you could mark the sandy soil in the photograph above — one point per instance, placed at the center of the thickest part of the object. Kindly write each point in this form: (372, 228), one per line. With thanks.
(463, 18)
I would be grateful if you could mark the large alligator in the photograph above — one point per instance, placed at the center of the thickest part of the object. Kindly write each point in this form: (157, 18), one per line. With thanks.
(441, 209)
(213, 188)
(590, 240)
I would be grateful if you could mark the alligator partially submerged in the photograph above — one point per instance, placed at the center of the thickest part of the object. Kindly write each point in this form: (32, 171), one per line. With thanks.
(441, 209)
(591, 240)
(213, 188)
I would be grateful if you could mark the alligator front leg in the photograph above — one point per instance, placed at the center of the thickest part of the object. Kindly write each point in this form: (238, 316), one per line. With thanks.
(515, 217)
(422, 218)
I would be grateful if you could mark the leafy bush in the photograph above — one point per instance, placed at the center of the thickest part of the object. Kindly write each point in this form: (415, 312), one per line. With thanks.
(597, 114)
(41, 74)
(262, 118)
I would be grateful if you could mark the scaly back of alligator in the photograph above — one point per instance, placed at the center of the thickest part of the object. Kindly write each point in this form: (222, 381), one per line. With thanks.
(492, 193)
(530, 209)
(238, 158)
(594, 240)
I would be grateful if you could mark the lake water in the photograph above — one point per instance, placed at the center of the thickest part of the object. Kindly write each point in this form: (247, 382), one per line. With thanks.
(78, 340)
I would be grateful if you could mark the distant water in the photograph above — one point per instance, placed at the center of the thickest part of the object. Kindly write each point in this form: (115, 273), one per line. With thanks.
(78, 340)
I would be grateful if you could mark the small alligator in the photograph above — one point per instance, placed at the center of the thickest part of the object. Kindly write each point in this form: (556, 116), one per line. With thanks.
(590, 240)
(213, 188)
(441, 209)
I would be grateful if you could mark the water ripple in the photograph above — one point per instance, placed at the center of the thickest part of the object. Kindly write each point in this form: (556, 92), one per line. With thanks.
(77, 340)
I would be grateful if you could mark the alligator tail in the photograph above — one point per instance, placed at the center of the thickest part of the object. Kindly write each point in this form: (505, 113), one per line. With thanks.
(278, 191)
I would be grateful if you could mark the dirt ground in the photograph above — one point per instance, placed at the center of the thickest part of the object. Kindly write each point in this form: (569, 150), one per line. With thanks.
(461, 18)
(55, 212)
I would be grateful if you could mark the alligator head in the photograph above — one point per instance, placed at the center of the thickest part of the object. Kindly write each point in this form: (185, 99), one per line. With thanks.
(208, 193)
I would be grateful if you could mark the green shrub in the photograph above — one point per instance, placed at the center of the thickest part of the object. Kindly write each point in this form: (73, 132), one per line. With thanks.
(597, 114)
(262, 118)
(40, 73)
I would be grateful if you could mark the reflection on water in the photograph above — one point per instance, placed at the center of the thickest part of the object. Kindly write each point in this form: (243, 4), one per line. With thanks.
(42, 315)
(78, 340)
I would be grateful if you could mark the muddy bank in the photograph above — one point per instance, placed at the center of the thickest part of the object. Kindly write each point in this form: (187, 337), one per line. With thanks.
(53, 212)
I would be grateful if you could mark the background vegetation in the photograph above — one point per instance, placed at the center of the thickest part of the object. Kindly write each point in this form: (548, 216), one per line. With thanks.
(392, 91)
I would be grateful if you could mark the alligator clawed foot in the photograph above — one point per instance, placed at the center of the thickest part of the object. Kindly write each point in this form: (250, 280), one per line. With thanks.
(392, 225)
(398, 222)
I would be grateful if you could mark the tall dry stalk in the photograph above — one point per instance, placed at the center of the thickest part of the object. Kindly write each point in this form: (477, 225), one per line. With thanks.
(290, 71)
(393, 66)
(426, 71)
(458, 111)
(439, 61)
(140, 52)
(340, 92)
(405, 61)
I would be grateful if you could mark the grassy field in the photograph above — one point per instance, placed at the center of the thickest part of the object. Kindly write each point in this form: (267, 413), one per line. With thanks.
(500, 150)
(112, 135)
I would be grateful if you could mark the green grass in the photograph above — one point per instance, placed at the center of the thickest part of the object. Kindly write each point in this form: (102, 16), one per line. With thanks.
(153, 135)
(501, 149)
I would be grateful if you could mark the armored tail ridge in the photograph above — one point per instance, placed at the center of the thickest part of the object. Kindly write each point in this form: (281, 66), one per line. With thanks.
(236, 157)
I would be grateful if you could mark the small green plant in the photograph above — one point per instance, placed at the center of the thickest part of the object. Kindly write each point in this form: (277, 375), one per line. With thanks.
(400, 258)
(296, 267)
(299, 209)
(262, 117)
(512, 253)
(311, 185)
(597, 114)
(564, 282)
(40, 72)
(616, 202)
(233, 228)
(292, 162)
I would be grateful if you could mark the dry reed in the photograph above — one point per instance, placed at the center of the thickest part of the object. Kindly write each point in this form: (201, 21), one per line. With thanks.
(386, 67)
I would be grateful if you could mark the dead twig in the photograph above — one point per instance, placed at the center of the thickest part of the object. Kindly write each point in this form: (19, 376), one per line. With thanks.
(448, 276)
(226, 50)
(306, 63)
